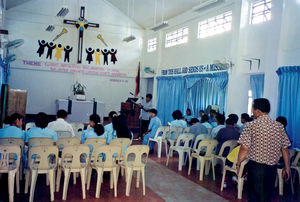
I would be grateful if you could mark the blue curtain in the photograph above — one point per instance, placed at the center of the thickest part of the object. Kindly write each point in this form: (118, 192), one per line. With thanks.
(288, 101)
(206, 89)
(257, 85)
(170, 96)
(195, 91)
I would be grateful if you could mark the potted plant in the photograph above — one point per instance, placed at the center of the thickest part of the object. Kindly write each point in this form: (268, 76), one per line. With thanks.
(79, 91)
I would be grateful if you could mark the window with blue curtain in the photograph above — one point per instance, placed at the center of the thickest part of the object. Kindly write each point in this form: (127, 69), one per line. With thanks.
(170, 96)
(195, 91)
(288, 101)
(257, 85)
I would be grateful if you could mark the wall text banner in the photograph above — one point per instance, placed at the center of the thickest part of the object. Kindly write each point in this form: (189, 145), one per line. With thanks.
(195, 69)
(68, 68)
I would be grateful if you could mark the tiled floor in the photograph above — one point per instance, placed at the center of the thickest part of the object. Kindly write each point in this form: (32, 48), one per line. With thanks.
(162, 184)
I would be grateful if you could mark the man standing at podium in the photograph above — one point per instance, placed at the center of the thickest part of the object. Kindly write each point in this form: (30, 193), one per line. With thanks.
(145, 106)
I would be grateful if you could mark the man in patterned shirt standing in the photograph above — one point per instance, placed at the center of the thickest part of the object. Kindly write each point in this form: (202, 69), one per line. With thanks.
(263, 140)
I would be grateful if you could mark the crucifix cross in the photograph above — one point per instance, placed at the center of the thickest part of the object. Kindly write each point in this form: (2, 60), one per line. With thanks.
(81, 24)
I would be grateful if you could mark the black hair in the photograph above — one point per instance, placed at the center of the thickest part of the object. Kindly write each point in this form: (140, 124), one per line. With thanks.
(41, 120)
(262, 104)
(154, 111)
(245, 116)
(12, 118)
(177, 115)
(204, 118)
(61, 114)
(98, 127)
(202, 111)
(149, 95)
(189, 110)
(230, 122)
(212, 111)
(220, 118)
(234, 117)
(194, 120)
(122, 127)
(282, 120)
(112, 114)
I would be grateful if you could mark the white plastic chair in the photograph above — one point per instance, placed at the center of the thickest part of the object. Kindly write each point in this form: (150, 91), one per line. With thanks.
(105, 160)
(196, 142)
(40, 141)
(186, 130)
(185, 139)
(46, 163)
(10, 165)
(210, 146)
(77, 163)
(229, 143)
(29, 125)
(279, 176)
(295, 165)
(20, 143)
(172, 136)
(240, 176)
(137, 164)
(160, 138)
(63, 134)
(209, 130)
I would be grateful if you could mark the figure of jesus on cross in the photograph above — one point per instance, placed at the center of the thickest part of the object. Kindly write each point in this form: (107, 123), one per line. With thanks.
(81, 24)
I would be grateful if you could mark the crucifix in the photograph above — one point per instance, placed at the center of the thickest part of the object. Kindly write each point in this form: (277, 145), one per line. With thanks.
(81, 24)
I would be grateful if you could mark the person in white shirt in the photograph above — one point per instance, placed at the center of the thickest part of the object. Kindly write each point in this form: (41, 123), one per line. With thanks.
(145, 106)
(60, 124)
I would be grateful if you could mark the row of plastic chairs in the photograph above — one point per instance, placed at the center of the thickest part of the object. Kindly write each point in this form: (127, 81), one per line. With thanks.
(76, 158)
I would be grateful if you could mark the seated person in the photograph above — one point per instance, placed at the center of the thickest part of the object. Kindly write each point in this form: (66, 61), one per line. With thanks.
(155, 123)
(204, 121)
(227, 133)
(60, 124)
(96, 130)
(282, 120)
(212, 115)
(111, 128)
(245, 118)
(14, 129)
(201, 113)
(188, 116)
(220, 120)
(178, 120)
(197, 128)
(235, 119)
(41, 130)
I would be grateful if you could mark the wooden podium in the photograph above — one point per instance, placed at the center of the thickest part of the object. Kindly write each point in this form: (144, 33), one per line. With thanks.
(133, 114)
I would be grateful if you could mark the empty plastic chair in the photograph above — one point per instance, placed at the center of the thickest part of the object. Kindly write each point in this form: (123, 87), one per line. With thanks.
(63, 134)
(210, 146)
(183, 146)
(160, 138)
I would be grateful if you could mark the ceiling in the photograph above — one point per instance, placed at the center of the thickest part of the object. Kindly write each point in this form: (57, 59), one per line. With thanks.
(144, 10)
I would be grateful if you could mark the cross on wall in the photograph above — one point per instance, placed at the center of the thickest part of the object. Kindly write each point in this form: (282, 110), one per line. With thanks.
(81, 24)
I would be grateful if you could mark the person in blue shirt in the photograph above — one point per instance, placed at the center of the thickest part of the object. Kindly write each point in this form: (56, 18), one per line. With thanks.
(13, 130)
(41, 130)
(188, 115)
(111, 128)
(204, 121)
(96, 130)
(178, 120)
(201, 113)
(155, 123)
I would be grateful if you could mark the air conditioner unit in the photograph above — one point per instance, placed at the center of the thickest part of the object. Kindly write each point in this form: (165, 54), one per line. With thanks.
(204, 4)
(160, 26)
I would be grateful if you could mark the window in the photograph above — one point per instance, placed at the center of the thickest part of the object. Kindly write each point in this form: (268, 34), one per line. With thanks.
(215, 25)
(250, 100)
(177, 37)
(152, 43)
(261, 11)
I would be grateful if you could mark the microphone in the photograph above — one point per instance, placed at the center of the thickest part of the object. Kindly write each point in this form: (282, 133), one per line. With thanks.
(136, 95)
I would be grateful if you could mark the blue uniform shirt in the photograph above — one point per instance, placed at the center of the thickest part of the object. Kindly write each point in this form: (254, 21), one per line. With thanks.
(41, 132)
(154, 124)
(12, 132)
(188, 117)
(178, 123)
(90, 133)
(111, 133)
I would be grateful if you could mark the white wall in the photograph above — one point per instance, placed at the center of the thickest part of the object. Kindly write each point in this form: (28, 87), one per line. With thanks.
(274, 42)
(29, 20)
